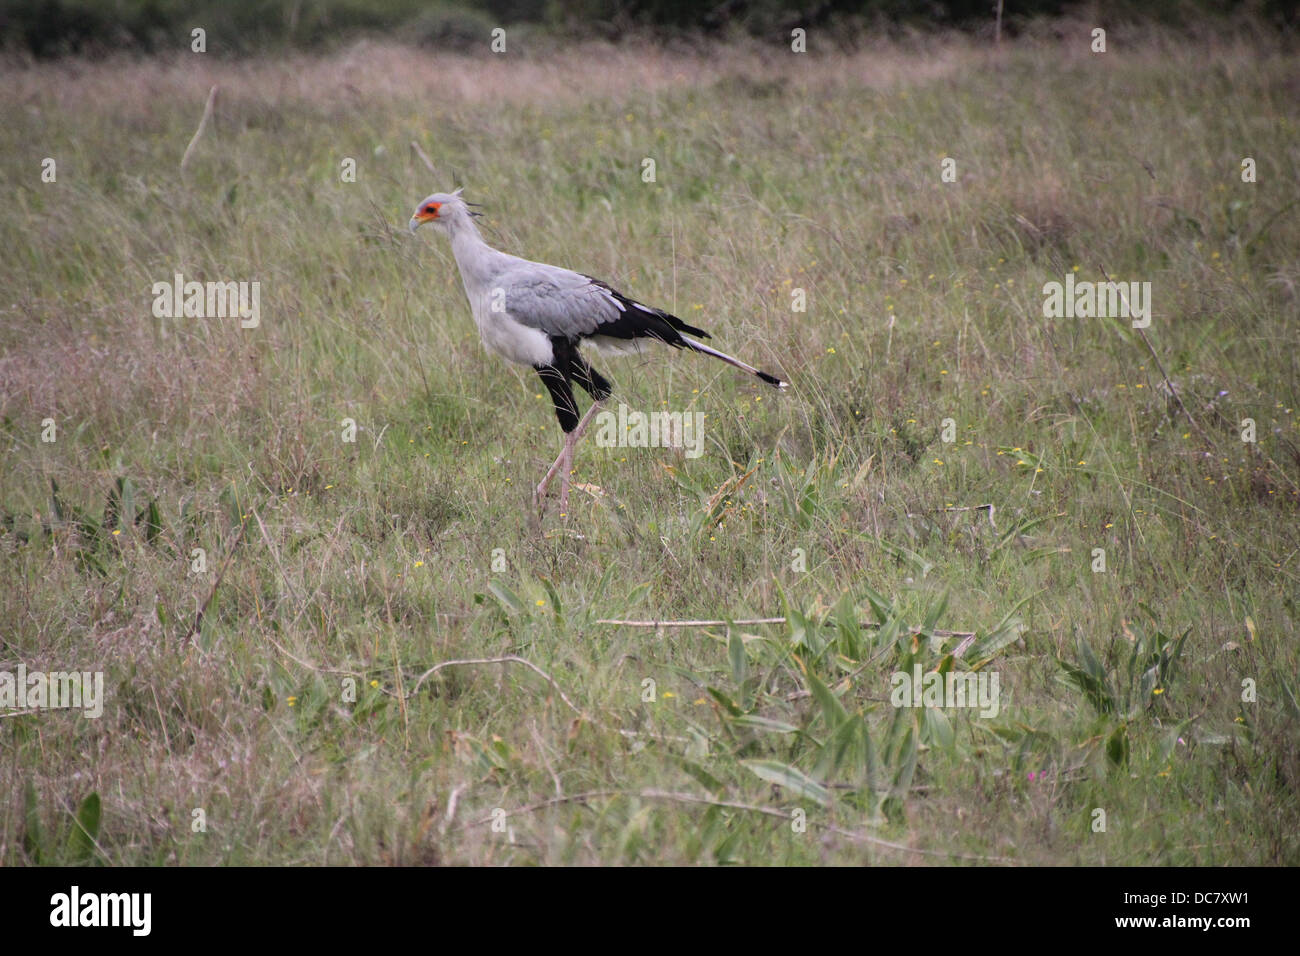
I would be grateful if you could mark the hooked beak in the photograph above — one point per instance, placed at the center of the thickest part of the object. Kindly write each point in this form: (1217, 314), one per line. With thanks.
(418, 220)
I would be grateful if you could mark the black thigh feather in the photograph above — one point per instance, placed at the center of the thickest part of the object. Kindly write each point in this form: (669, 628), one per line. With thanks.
(577, 369)
(557, 383)
(568, 365)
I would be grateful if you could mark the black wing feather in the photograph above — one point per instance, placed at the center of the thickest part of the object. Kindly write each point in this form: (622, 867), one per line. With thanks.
(640, 321)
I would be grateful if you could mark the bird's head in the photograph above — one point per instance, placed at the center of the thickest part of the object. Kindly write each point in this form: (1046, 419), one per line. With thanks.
(444, 210)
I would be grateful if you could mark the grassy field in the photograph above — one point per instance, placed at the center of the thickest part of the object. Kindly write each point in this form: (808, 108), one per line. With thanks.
(272, 700)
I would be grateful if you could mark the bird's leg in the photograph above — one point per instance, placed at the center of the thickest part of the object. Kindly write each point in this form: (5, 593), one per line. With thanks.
(566, 456)
(586, 420)
(550, 473)
(564, 464)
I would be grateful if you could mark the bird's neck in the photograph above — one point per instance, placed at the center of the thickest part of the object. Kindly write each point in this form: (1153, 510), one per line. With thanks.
(473, 255)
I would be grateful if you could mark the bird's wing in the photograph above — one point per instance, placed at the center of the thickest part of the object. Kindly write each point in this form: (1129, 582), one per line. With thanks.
(557, 301)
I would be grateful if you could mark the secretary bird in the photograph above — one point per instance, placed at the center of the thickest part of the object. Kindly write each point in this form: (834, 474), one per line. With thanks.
(537, 314)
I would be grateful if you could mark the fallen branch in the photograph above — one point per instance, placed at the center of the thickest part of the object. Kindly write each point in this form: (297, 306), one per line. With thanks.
(744, 621)
(765, 620)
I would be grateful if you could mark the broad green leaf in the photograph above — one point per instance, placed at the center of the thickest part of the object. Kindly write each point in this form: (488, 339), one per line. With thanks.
(1097, 694)
(33, 833)
(881, 606)
(636, 594)
(846, 622)
(794, 620)
(848, 752)
(1170, 740)
(940, 728)
(1117, 746)
(507, 598)
(126, 503)
(918, 564)
(906, 765)
(1019, 528)
(85, 830)
(1008, 631)
(793, 779)
(556, 606)
(231, 499)
(739, 660)
(764, 723)
(936, 612)
(833, 711)
(152, 518)
(727, 703)
(601, 588)
(706, 779)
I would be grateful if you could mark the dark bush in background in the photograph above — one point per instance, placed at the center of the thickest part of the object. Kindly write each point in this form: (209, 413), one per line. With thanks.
(48, 28)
